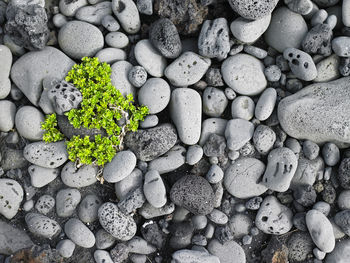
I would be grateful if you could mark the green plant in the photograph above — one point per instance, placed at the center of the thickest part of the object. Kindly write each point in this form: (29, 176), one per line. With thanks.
(102, 107)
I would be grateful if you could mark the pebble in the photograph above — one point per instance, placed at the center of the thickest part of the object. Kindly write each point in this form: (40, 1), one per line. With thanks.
(255, 51)
(264, 139)
(119, 253)
(28, 205)
(150, 121)
(28, 121)
(193, 193)
(111, 55)
(341, 46)
(189, 256)
(137, 76)
(213, 41)
(328, 69)
(145, 7)
(194, 154)
(244, 74)
(45, 204)
(94, 14)
(41, 176)
(104, 240)
(127, 14)
(151, 143)
(7, 115)
(300, 246)
(120, 226)
(129, 183)
(323, 207)
(324, 121)
(66, 248)
(218, 217)
(149, 58)
(273, 217)
(346, 13)
(248, 31)
(122, 164)
(341, 219)
(110, 23)
(318, 40)
(213, 77)
(280, 34)
(303, 7)
(321, 230)
(140, 246)
(214, 102)
(343, 200)
(165, 38)
(42, 226)
(238, 132)
(253, 10)
(78, 177)
(47, 155)
(340, 254)
(214, 147)
(154, 189)
(273, 73)
(242, 107)
(281, 166)
(88, 207)
(305, 195)
(70, 8)
(187, 69)
(241, 178)
(344, 173)
(11, 196)
(59, 20)
(254, 203)
(5, 83)
(66, 201)
(117, 40)
(172, 160)
(301, 64)
(79, 39)
(215, 174)
(119, 77)
(148, 211)
(212, 125)
(155, 94)
(132, 201)
(79, 233)
(227, 251)
(186, 113)
(102, 256)
(310, 149)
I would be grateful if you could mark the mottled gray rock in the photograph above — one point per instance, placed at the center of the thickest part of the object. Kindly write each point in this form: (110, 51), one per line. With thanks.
(186, 113)
(240, 225)
(187, 69)
(242, 107)
(137, 76)
(300, 246)
(264, 138)
(69, 8)
(243, 176)
(212, 125)
(102, 256)
(11, 196)
(66, 201)
(317, 113)
(28, 123)
(148, 211)
(127, 14)
(129, 183)
(88, 207)
(41, 176)
(42, 226)
(79, 233)
(321, 230)
(27, 25)
(287, 29)
(250, 9)
(244, 74)
(45, 204)
(305, 195)
(122, 164)
(194, 154)
(341, 252)
(7, 115)
(111, 55)
(341, 46)
(318, 40)
(12, 239)
(114, 222)
(110, 23)
(95, 13)
(328, 69)
(189, 256)
(66, 248)
(48, 62)
(132, 201)
(80, 39)
(193, 193)
(151, 143)
(48, 155)
(301, 64)
(140, 246)
(213, 41)
(104, 239)
(215, 146)
(145, 7)
(238, 132)
(119, 77)
(165, 38)
(302, 7)
(172, 160)
(117, 40)
(214, 102)
(227, 251)
(78, 177)
(59, 20)
(281, 166)
(310, 149)
(273, 217)
(341, 219)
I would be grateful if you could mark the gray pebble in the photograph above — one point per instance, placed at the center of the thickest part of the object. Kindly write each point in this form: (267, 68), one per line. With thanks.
(137, 76)
(215, 146)
(79, 233)
(140, 246)
(88, 208)
(264, 138)
(102, 256)
(218, 217)
(59, 20)
(199, 222)
(70, 8)
(310, 149)
(328, 69)
(110, 23)
(104, 240)
(343, 200)
(230, 94)
(28, 123)
(78, 177)
(154, 189)
(199, 240)
(11, 196)
(213, 77)
(122, 164)
(254, 203)
(66, 201)
(94, 14)
(341, 46)
(42, 226)
(305, 195)
(319, 17)
(131, 182)
(150, 121)
(255, 51)
(253, 10)
(227, 251)
(341, 252)
(212, 125)
(323, 207)
(214, 102)
(172, 160)
(111, 55)
(117, 40)
(242, 107)
(40, 176)
(194, 154)
(300, 246)
(145, 7)
(28, 205)
(318, 40)
(188, 256)
(127, 14)
(215, 174)
(65, 248)
(303, 7)
(273, 73)
(240, 224)
(119, 253)
(132, 201)
(235, 49)
(147, 211)
(45, 204)
(238, 132)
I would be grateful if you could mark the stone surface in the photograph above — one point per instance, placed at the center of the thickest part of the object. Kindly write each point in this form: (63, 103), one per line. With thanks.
(341, 252)
(238, 132)
(189, 256)
(122, 164)
(250, 9)
(81, 177)
(88, 208)
(28, 123)
(227, 251)
(66, 201)
(318, 113)
(11, 196)
(48, 62)
(95, 13)
(7, 115)
(301, 64)
(129, 183)
(328, 69)
(40, 176)
(42, 226)
(172, 160)
(119, 77)
(127, 14)
(45, 204)
(79, 233)
(318, 40)
(242, 107)
(341, 46)
(214, 102)
(154, 189)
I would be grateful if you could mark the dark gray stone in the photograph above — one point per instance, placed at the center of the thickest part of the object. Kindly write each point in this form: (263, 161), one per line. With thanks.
(344, 173)
(153, 234)
(181, 235)
(344, 67)
(214, 146)
(120, 253)
(300, 246)
(305, 195)
(151, 143)
(318, 40)
(213, 77)
(342, 219)
(134, 200)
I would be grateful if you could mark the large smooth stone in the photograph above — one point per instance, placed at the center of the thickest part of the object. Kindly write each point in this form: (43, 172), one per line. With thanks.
(319, 112)
(30, 69)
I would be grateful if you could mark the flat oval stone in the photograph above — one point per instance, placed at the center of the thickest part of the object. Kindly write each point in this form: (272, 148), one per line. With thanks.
(154, 189)
(244, 74)
(41, 176)
(238, 132)
(318, 113)
(42, 226)
(79, 233)
(66, 201)
(122, 164)
(7, 115)
(242, 178)
(88, 208)
(341, 252)
(193, 193)
(81, 177)
(190, 256)
(127, 14)
(227, 251)
(172, 160)
(11, 196)
(28, 123)
(120, 226)
(119, 77)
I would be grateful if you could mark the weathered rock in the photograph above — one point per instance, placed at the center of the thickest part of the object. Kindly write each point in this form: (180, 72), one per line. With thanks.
(11, 196)
(42, 226)
(251, 9)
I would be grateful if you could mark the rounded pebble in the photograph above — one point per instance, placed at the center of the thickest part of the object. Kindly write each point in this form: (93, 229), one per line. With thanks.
(79, 233)
(242, 107)
(28, 123)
